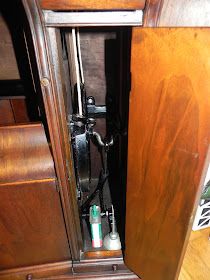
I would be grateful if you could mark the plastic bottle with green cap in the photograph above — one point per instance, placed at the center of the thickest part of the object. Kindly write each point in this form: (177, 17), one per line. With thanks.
(95, 225)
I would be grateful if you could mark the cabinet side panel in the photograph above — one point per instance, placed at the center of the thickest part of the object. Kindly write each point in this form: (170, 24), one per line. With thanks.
(32, 228)
(169, 136)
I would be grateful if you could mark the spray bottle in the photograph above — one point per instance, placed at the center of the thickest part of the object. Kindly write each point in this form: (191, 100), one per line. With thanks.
(95, 225)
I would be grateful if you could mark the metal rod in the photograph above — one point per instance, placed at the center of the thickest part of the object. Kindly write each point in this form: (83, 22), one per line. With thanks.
(113, 222)
(80, 56)
(77, 72)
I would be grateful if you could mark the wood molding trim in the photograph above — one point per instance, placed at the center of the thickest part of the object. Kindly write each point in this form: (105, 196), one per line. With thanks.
(92, 4)
(56, 131)
(113, 269)
(38, 271)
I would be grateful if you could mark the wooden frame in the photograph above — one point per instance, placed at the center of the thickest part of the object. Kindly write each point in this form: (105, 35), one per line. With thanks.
(47, 49)
(92, 4)
(56, 118)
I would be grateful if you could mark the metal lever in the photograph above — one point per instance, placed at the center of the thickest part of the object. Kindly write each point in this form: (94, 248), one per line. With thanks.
(103, 143)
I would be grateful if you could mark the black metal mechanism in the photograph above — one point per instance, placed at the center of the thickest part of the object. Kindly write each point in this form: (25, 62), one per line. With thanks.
(93, 110)
(104, 144)
(82, 123)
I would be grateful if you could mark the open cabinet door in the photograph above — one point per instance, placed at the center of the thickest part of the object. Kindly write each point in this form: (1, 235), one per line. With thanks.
(169, 136)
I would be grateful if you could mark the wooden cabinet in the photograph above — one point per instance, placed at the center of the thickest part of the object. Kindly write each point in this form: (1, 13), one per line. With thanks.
(168, 142)
(32, 229)
(168, 145)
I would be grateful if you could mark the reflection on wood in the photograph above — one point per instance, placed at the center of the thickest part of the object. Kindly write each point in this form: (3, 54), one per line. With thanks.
(24, 154)
(13, 110)
(169, 136)
(32, 229)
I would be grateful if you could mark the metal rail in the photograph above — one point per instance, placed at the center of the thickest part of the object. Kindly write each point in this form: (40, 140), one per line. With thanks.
(105, 18)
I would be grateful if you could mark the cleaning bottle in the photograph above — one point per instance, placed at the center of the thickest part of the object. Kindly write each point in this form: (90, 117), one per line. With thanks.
(95, 225)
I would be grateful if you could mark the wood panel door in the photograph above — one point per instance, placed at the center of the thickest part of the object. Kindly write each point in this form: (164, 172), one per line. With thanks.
(32, 228)
(169, 136)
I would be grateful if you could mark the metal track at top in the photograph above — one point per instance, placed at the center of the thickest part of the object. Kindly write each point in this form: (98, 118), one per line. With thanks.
(106, 18)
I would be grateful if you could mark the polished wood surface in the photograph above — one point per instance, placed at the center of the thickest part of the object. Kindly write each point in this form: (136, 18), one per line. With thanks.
(50, 79)
(24, 154)
(13, 110)
(102, 254)
(92, 4)
(37, 271)
(111, 268)
(32, 229)
(19, 109)
(185, 13)
(169, 136)
(6, 113)
(196, 264)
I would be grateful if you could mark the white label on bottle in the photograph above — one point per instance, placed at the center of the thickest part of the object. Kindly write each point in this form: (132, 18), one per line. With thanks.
(96, 235)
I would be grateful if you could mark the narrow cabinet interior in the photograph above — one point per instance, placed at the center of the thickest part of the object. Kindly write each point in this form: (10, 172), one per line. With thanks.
(96, 65)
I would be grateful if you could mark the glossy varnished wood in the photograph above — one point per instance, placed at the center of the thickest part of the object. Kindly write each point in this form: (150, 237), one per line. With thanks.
(102, 254)
(169, 136)
(13, 110)
(52, 93)
(19, 109)
(24, 154)
(37, 271)
(6, 113)
(32, 229)
(112, 268)
(92, 4)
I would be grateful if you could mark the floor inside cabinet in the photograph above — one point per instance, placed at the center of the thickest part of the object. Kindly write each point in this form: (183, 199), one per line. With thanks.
(89, 251)
(196, 264)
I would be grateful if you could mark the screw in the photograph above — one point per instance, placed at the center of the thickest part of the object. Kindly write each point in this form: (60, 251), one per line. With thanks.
(45, 82)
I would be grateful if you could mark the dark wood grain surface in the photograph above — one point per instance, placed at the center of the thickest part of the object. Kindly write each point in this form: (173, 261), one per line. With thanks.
(6, 113)
(169, 136)
(37, 271)
(92, 4)
(13, 110)
(24, 154)
(19, 109)
(48, 54)
(32, 229)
